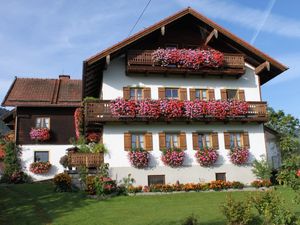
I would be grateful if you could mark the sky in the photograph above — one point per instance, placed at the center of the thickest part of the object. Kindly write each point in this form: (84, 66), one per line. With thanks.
(40, 38)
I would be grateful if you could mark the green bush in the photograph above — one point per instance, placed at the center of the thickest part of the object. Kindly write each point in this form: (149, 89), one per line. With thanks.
(191, 220)
(272, 209)
(262, 169)
(237, 212)
(62, 182)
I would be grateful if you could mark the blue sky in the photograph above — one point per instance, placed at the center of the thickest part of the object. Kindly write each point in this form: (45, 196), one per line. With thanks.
(47, 38)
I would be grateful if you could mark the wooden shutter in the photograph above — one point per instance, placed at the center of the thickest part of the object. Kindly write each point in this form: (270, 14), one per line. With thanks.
(246, 143)
(162, 140)
(127, 141)
(148, 142)
(182, 94)
(241, 95)
(182, 141)
(126, 93)
(195, 141)
(192, 94)
(147, 93)
(161, 93)
(227, 140)
(211, 94)
(215, 140)
(223, 94)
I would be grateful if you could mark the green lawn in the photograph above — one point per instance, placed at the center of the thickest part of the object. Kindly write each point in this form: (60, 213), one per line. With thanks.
(38, 204)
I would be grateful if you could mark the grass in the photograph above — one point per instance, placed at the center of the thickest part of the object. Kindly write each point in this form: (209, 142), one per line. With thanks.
(38, 204)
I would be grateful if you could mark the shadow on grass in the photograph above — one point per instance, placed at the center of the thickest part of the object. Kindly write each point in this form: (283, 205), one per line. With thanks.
(36, 203)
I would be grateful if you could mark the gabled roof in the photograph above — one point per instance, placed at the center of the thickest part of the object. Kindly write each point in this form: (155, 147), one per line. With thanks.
(44, 92)
(240, 44)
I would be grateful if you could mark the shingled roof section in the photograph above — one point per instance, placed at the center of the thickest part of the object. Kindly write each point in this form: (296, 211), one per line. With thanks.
(44, 92)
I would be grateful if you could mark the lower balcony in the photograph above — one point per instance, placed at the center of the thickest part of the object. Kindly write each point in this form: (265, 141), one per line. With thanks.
(99, 111)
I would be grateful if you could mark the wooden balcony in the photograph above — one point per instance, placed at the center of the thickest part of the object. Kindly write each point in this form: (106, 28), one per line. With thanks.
(98, 111)
(140, 61)
(85, 159)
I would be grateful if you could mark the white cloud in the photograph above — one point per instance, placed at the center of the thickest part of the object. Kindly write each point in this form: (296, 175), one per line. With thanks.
(246, 16)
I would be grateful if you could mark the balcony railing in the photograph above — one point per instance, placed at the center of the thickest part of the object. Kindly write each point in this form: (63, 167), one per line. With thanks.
(85, 159)
(140, 61)
(99, 111)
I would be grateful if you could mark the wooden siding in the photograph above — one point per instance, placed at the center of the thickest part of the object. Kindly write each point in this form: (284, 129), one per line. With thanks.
(61, 124)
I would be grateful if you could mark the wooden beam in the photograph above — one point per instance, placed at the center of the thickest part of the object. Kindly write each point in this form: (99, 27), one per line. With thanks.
(163, 30)
(266, 65)
(212, 34)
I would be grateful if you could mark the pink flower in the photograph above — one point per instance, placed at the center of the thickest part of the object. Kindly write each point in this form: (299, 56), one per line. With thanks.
(207, 156)
(139, 158)
(173, 157)
(39, 134)
(239, 156)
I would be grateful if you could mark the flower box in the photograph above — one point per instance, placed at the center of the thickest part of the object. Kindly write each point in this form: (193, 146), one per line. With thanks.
(173, 157)
(39, 134)
(40, 167)
(207, 156)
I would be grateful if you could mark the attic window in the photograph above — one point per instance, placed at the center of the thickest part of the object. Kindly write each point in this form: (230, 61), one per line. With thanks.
(42, 122)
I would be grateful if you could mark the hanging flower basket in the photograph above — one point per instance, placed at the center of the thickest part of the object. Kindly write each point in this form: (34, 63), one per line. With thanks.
(173, 157)
(40, 167)
(39, 134)
(207, 156)
(139, 158)
(78, 119)
(239, 156)
(93, 137)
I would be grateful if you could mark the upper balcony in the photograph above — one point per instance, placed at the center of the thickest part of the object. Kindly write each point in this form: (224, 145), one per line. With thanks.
(141, 61)
(99, 111)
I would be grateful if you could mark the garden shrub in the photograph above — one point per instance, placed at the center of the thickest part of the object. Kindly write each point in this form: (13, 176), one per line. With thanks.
(262, 169)
(237, 212)
(191, 220)
(272, 209)
(237, 185)
(62, 182)
(261, 183)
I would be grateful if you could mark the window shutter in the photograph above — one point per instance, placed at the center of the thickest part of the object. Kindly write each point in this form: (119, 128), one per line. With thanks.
(192, 94)
(195, 141)
(241, 94)
(148, 142)
(215, 140)
(147, 93)
(161, 93)
(127, 141)
(126, 93)
(211, 94)
(182, 141)
(223, 94)
(246, 143)
(182, 94)
(162, 140)
(227, 140)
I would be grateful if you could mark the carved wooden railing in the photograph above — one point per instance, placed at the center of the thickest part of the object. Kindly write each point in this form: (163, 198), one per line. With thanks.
(99, 111)
(85, 159)
(142, 60)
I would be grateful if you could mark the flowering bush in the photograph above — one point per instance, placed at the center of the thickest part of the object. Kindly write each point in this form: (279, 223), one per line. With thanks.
(39, 134)
(100, 185)
(207, 156)
(139, 158)
(132, 189)
(298, 173)
(219, 185)
(93, 137)
(237, 185)
(188, 58)
(261, 183)
(62, 182)
(40, 167)
(171, 108)
(239, 156)
(173, 157)
(78, 119)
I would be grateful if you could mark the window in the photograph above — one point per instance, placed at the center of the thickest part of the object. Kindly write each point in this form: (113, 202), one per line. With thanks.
(172, 140)
(232, 94)
(156, 179)
(221, 176)
(235, 140)
(201, 94)
(42, 122)
(137, 141)
(171, 93)
(41, 156)
(136, 93)
(204, 141)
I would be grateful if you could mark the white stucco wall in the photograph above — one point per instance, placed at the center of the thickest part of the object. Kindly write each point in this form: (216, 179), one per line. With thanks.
(114, 79)
(273, 150)
(55, 153)
(113, 137)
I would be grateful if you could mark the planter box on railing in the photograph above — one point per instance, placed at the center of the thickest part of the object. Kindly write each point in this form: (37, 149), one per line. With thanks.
(85, 159)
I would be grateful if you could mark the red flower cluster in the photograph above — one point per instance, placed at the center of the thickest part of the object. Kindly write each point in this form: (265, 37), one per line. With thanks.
(177, 109)
(261, 183)
(298, 173)
(78, 118)
(40, 167)
(139, 158)
(39, 134)
(173, 157)
(239, 156)
(93, 137)
(188, 58)
(207, 156)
